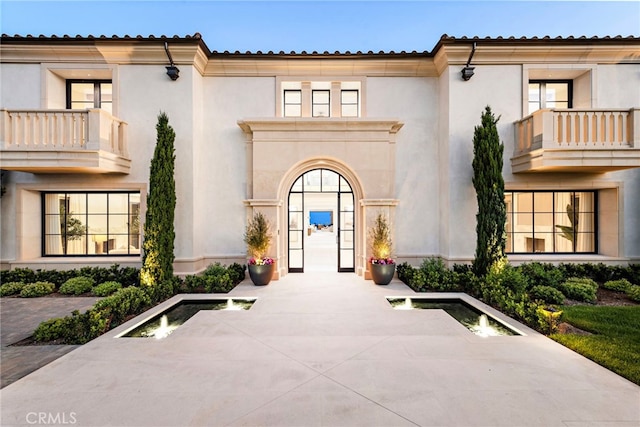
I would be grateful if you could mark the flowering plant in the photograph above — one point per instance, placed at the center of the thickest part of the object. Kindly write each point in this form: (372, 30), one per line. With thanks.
(261, 261)
(381, 261)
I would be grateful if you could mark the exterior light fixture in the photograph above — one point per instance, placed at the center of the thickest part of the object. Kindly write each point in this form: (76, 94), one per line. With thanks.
(172, 71)
(467, 71)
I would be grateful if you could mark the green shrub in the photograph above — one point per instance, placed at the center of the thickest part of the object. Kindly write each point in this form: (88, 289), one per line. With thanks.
(220, 283)
(125, 301)
(539, 274)
(11, 288)
(437, 276)
(24, 275)
(634, 292)
(106, 288)
(412, 277)
(37, 289)
(237, 272)
(504, 290)
(620, 285)
(404, 271)
(162, 291)
(77, 286)
(546, 294)
(579, 289)
(50, 330)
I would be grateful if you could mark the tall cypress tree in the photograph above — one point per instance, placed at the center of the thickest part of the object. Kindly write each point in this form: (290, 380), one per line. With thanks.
(489, 185)
(159, 232)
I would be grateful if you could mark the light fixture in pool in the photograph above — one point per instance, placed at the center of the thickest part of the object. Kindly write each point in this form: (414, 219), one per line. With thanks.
(469, 316)
(164, 323)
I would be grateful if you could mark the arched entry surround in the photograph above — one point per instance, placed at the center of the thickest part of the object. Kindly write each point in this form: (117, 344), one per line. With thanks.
(290, 178)
(279, 150)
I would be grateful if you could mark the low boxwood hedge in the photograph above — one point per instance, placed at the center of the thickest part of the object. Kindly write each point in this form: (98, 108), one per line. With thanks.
(37, 289)
(77, 286)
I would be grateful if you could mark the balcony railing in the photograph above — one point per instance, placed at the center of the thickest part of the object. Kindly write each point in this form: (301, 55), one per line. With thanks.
(45, 140)
(588, 139)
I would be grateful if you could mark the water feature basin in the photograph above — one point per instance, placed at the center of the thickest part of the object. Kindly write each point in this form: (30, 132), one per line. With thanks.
(474, 319)
(164, 323)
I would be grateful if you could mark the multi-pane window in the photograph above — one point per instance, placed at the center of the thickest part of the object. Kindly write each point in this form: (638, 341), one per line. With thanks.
(349, 103)
(85, 94)
(93, 223)
(320, 106)
(292, 103)
(321, 98)
(551, 221)
(549, 94)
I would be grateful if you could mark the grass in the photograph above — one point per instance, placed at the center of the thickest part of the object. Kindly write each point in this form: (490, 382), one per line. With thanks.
(615, 343)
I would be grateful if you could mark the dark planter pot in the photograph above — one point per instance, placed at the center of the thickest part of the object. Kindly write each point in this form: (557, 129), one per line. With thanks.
(261, 274)
(382, 273)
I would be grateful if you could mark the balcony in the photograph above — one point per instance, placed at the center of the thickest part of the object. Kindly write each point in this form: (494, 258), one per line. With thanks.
(63, 141)
(577, 140)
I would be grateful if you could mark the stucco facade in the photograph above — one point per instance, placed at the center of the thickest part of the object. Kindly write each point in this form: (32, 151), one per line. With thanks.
(403, 148)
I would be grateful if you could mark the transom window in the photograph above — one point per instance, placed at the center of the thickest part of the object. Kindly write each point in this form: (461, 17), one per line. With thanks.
(551, 221)
(349, 103)
(85, 94)
(292, 103)
(320, 99)
(94, 223)
(549, 94)
(320, 103)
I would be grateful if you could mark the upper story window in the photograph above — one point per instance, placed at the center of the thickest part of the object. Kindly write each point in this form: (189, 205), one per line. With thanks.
(320, 98)
(349, 102)
(550, 94)
(320, 103)
(85, 94)
(292, 103)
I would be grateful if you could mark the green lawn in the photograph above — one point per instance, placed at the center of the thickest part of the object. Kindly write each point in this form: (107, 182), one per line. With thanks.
(615, 343)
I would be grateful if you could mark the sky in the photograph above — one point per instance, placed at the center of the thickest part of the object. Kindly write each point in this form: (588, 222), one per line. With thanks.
(321, 25)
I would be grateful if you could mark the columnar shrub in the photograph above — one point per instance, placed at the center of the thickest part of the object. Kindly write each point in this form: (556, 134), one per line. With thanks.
(106, 288)
(77, 285)
(159, 232)
(11, 288)
(37, 289)
(489, 185)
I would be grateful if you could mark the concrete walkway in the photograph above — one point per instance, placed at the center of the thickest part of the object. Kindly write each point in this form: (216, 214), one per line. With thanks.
(323, 349)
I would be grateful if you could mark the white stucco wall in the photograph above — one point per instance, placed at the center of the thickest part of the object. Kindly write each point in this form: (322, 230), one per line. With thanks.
(222, 177)
(414, 101)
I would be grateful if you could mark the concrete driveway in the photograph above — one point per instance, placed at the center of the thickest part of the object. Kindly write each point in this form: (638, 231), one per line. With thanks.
(323, 349)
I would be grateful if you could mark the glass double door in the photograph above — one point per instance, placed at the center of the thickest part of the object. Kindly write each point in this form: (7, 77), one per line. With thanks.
(321, 220)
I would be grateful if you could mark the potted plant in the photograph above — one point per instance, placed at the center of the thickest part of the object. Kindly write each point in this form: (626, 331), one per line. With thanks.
(381, 265)
(257, 237)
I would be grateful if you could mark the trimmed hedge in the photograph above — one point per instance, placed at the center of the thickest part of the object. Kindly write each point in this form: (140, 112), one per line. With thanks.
(128, 276)
(77, 286)
(11, 288)
(105, 289)
(621, 285)
(106, 314)
(634, 293)
(37, 289)
(579, 289)
(547, 294)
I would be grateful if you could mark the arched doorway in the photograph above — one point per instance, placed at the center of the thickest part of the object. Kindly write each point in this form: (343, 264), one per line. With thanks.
(321, 222)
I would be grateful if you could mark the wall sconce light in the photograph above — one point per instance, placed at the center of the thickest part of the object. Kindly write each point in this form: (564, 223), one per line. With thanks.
(172, 71)
(467, 71)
